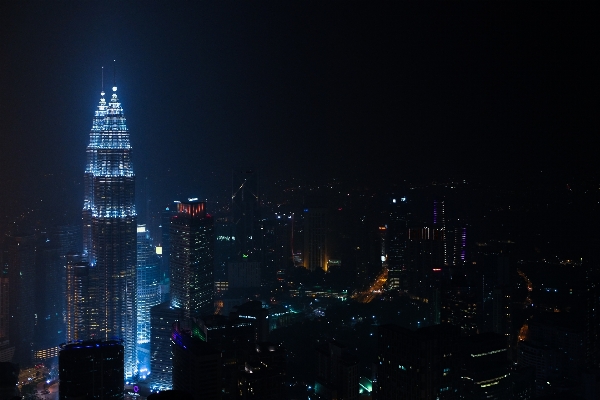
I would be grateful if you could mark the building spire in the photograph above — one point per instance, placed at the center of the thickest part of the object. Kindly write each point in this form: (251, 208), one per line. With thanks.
(114, 75)
(102, 88)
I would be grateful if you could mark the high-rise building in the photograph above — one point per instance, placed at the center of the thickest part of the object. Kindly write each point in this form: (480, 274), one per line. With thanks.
(77, 317)
(245, 209)
(91, 370)
(162, 318)
(148, 292)
(165, 242)
(192, 247)
(425, 260)
(315, 239)
(109, 229)
(396, 239)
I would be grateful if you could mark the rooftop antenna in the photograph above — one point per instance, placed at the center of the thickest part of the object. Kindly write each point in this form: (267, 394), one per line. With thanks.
(102, 79)
(114, 75)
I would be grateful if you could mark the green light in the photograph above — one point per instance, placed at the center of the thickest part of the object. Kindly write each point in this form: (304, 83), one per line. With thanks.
(366, 384)
(198, 333)
(244, 255)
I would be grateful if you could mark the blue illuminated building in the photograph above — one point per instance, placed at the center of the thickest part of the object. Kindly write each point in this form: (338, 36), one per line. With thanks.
(148, 294)
(109, 229)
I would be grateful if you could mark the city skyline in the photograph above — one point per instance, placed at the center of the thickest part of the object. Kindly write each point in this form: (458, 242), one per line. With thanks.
(365, 94)
(369, 187)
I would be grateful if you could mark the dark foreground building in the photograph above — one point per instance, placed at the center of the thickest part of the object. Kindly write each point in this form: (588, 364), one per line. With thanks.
(420, 364)
(91, 370)
(196, 365)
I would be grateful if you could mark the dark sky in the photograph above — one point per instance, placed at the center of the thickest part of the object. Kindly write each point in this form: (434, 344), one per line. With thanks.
(296, 89)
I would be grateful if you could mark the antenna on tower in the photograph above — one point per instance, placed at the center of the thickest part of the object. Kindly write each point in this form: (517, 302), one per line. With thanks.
(102, 79)
(114, 75)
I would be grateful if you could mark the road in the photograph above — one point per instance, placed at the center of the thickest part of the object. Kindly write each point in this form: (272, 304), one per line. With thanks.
(52, 389)
(374, 290)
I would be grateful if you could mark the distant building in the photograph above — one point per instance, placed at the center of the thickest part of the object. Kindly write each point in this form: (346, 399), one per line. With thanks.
(555, 347)
(315, 238)
(245, 214)
(421, 364)
(21, 251)
(77, 315)
(165, 226)
(162, 318)
(254, 312)
(460, 308)
(50, 295)
(224, 247)
(91, 370)
(263, 377)
(148, 290)
(425, 260)
(148, 294)
(243, 275)
(192, 259)
(485, 371)
(337, 373)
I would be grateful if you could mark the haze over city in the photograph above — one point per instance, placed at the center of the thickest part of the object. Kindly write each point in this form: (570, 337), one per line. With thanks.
(315, 183)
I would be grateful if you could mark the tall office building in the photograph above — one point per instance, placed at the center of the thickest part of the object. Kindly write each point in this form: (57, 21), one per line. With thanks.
(109, 229)
(148, 292)
(77, 317)
(396, 239)
(162, 318)
(315, 239)
(192, 248)
(165, 242)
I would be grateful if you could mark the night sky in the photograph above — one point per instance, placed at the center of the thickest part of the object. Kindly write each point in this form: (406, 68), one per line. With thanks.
(308, 90)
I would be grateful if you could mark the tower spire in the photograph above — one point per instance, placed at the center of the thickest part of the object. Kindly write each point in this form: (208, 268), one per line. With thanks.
(102, 88)
(114, 75)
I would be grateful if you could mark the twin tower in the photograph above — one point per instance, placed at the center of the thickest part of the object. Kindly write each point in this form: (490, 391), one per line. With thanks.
(109, 230)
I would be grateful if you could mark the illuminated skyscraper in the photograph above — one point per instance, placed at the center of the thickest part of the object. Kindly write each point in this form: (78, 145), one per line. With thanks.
(148, 293)
(192, 259)
(109, 228)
